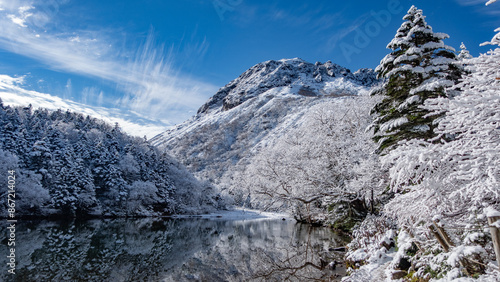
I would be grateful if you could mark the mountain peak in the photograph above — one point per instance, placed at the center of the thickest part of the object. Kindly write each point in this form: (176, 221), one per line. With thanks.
(298, 76)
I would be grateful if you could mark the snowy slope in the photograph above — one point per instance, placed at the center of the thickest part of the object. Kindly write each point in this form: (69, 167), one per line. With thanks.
(299, 77)
(256, 110)
(13, 94)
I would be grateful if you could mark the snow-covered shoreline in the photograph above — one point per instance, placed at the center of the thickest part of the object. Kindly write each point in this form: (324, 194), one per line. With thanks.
(239, 214)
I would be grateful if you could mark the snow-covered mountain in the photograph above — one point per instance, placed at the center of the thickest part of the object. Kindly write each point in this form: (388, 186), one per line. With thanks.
(257, 110)
(296, 76)
(13, 94)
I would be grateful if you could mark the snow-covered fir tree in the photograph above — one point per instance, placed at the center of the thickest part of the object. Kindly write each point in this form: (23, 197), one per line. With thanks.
(464, 53)
(455, 181)
(419, 67)
(466, 167)
(464, 171)
(72, 165)
(452, 183)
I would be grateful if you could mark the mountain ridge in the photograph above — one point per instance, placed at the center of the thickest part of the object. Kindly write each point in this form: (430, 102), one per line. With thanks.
(308, 79)
(259, 109)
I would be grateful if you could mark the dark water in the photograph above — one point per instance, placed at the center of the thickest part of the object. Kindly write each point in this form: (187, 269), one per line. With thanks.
(171, 250)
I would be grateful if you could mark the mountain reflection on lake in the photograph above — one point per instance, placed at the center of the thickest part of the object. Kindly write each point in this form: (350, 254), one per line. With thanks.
(189, 249)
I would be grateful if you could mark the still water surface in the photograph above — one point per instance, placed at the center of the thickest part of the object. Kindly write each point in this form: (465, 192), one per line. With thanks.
(172, 250)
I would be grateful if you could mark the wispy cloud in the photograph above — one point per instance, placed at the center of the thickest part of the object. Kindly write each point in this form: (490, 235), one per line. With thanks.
(12, 93)
(155, 82)
(147, 76)
(471, 2)
(480, 6)
(23, 13)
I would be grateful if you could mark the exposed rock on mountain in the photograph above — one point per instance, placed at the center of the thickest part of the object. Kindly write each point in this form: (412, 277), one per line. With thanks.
(305, 78)
(264, 107)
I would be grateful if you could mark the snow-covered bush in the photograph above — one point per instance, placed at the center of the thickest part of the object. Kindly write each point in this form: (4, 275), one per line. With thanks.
(323, 162)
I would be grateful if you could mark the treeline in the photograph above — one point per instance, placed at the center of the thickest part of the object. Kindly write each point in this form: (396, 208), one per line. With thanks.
(70, 165)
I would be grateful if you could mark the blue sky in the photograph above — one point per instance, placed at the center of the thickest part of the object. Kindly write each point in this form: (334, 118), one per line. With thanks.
(164, 59)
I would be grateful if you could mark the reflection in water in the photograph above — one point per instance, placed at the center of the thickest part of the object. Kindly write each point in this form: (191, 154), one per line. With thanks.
(171, 250)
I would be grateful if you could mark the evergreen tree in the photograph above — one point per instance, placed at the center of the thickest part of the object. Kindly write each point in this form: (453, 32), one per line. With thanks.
(75, 166)
(455, 180)
(420, 67)
(464, 53)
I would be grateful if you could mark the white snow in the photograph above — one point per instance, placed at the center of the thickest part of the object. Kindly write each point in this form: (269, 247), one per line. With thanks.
(491, 212)
(409, 101)
(376, 270)
(496, 224)
(432, 84)
(239, 214)
(461, 251)
(390, 125)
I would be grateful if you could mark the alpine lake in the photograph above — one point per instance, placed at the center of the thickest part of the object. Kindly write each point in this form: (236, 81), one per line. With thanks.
(173, 249)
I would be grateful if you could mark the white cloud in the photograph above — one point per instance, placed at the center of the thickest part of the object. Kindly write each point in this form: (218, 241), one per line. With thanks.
(471, 2)
(68, 89)
(16, 20)
(22, 15)
(152, 85)
(100, 99)
(480, 6)
(12, 5)
(12, 93)
(24, 9)
(7, 82)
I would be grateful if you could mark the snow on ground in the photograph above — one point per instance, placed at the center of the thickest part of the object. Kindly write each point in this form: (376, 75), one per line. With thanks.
(239, 214)
(376, 270)
(379, 270)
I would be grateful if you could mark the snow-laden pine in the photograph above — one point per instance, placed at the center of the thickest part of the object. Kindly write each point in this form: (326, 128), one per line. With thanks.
(419, 67)
(451, 181)
(70, 165)
(464, 53)
(455, 180)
